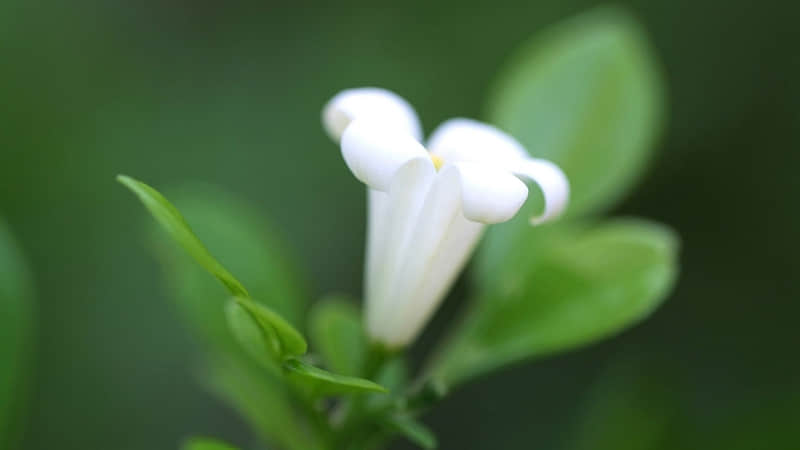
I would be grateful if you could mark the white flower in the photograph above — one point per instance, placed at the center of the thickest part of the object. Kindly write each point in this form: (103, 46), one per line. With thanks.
(428, 209)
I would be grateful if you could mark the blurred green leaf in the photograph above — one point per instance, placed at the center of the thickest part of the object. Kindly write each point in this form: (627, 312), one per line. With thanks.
(204, 443)
(173, 222)
(16, 311)
(588, 283)
(263, 400)
(278, 337)
(337, 335)
(413, 430)
(629, 408)
(321, 382)
(586, 94)
(767, 419)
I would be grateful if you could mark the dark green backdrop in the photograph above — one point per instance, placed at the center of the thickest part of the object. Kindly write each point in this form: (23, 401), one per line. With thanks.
(230, 93)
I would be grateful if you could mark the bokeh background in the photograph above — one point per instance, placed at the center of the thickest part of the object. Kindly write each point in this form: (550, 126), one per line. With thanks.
(230, 93)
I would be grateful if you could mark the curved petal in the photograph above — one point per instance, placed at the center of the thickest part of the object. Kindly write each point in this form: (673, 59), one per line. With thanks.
(375, 152)
(376, 104)
(552, 182)
(488, 194)
(469, 140)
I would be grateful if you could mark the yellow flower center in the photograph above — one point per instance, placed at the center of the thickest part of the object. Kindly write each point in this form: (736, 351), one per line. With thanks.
(438, 162)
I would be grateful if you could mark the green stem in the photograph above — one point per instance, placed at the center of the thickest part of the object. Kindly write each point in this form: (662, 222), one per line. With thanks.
(319, 421)
(316, 418)
(353, 412)
(377, 356)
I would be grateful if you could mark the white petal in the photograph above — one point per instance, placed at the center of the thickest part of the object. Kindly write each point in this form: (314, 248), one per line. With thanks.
(407, 309)
(469, 140)
(552, 182)
(374, 153)
(377, 217)
(401, 206)
(439, 244)
(459, 241)
(375, 104)
(488, 194)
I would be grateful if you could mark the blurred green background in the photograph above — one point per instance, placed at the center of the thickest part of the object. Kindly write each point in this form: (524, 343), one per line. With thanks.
(230, 93)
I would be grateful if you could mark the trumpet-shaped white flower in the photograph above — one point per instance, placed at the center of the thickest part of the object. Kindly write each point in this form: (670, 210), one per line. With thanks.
(428, 207)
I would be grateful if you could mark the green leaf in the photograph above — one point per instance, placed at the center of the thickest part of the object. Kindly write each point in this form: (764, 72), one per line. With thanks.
(630, 407)
(243, 241)
(320, 382)
(412, 430)
(16, 323)
(277, 336)
(204, 443)
(173, 222)
(337, 335)
(769, 421)
(260, 343)
(588, 283)
(588, 95)
(246, 243)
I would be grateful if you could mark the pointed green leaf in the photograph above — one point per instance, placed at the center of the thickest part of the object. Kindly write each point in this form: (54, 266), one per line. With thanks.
(321, 382)
(16, 323)
(279, 337)
(173, 222)
(244, 241)
(587, 284)
(337, 335)
(204, 443)
(413, 430)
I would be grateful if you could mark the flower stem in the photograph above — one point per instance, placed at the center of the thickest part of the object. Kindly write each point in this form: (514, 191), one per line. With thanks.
(352, 413)
(377, 356)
